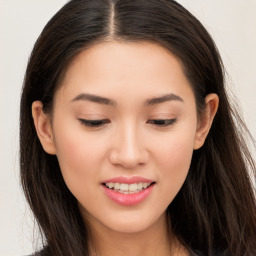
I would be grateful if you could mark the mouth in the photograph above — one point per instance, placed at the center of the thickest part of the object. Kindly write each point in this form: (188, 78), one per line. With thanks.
(128, 191)
(125, 188)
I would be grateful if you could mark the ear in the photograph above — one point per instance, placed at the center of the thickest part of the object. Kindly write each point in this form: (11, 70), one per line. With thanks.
(206, 119)
(43, 127)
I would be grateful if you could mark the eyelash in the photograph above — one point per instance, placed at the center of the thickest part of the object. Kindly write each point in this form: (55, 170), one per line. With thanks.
(94, 123)
(100, 122)
(162, 122)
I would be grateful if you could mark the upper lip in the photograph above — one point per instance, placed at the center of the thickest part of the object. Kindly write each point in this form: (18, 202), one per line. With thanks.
(128, 180)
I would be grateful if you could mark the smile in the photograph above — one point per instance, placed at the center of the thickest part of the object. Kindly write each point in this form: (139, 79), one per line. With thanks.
(128, 191)
(125, 188)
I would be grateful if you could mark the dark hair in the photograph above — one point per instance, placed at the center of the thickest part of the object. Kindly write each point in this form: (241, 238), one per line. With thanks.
(214, 213)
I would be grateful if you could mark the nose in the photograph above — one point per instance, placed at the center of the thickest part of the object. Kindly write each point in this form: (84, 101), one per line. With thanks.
(128, 150)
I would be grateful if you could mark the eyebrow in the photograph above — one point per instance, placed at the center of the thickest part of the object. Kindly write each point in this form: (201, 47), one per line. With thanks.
(106, 101)
(164, 98)
(94, 98)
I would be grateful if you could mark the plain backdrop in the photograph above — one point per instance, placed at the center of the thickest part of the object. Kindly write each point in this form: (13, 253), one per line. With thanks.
(232, 23)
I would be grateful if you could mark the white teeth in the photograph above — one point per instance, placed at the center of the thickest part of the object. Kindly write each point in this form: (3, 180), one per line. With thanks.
(110, 185)
(124, 187)
(127, 188)
(140, 186)
(133, 187)
(144, 185)
(116, 185)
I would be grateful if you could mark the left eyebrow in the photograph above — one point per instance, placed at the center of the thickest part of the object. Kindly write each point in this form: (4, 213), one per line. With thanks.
(164, 98)
(94, 98)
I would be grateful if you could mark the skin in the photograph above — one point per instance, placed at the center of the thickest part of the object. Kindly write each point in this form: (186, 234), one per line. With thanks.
(129, 144)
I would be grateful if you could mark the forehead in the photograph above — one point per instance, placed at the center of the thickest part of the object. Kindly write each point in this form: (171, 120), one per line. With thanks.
(121, 67)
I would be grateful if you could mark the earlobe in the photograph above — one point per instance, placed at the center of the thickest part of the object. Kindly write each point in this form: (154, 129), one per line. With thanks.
(43, 127)
(206, 119)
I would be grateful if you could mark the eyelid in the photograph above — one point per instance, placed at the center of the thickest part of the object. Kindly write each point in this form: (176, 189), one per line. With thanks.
(162, 122)
(93, 123)
(97, 123)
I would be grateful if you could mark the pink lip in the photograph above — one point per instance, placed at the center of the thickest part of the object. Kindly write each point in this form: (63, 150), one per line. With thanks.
(128, 199)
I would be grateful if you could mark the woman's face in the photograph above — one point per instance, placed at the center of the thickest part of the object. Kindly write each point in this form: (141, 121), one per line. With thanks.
(124, 127)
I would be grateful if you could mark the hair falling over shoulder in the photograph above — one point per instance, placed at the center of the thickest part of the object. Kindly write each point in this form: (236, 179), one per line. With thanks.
(214, 214)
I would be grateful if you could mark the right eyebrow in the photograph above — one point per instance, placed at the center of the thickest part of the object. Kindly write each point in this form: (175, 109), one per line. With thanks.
(94, 98)
(163, 98)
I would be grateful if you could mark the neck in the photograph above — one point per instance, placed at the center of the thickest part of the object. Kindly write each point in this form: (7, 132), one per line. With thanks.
(155, 240)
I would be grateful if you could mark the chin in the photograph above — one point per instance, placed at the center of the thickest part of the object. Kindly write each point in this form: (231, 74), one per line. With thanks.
(125, 220)
(132, 223)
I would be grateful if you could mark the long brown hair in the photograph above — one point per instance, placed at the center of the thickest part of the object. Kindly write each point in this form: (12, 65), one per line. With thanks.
(215, 211)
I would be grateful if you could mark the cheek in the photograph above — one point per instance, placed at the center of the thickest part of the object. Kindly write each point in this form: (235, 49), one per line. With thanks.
(177, 148)
(174, 160)
(78, 158)
(80, 166)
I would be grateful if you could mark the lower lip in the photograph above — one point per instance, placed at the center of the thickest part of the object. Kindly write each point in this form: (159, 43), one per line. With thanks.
(128, 199)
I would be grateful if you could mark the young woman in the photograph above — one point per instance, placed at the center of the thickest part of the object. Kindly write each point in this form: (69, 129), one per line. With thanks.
(129, 145)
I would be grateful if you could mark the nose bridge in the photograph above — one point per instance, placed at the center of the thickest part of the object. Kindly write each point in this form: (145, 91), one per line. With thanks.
(129, 149)
(129, 139)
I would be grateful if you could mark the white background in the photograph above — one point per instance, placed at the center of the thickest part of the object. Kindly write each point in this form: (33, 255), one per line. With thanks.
(232, 23)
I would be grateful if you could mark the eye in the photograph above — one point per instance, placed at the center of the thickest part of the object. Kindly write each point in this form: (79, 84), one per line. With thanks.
(162, 122)
(94, 123)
